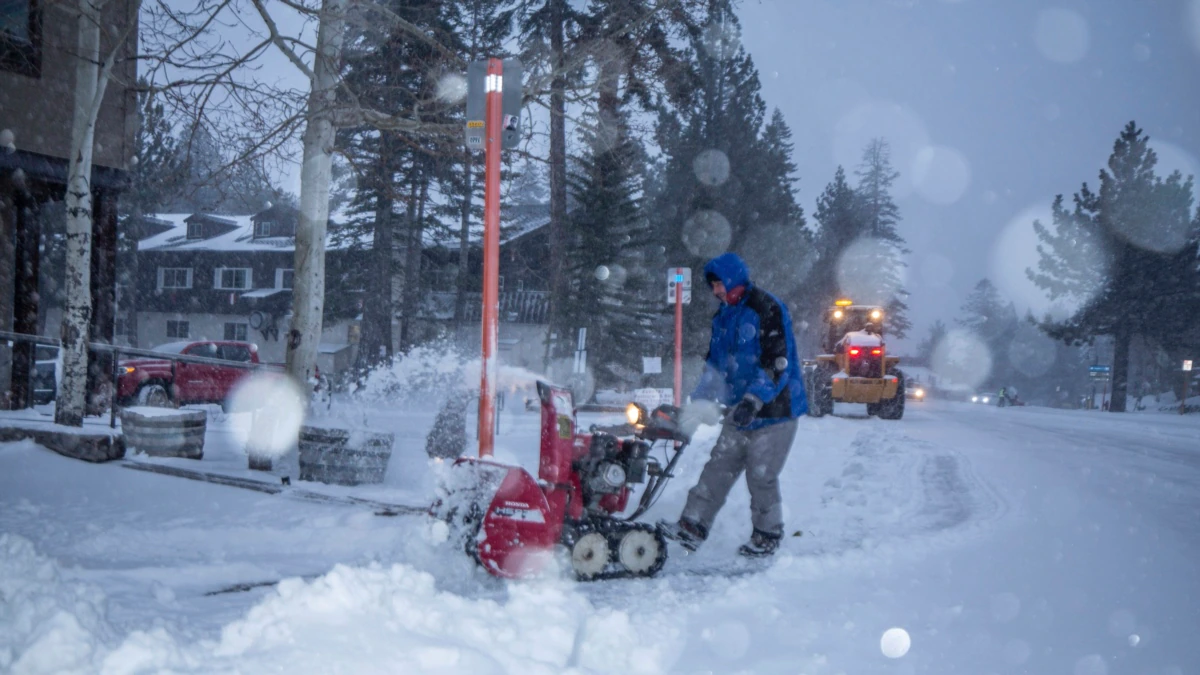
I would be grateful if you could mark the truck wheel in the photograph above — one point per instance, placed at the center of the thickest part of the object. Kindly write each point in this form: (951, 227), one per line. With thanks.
(893, 408)
(155, 395)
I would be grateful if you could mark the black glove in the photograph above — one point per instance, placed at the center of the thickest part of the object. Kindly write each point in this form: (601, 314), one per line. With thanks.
(744, 412)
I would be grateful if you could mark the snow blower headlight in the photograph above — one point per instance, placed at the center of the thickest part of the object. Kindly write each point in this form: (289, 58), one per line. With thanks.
(636, 414)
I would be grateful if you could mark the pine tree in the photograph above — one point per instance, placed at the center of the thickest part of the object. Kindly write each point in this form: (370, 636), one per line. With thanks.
(713, 194)
(549, 32)
(393, 208)
(994, 323)
(880, 216)
(1139, 225)
(925, 349)
(610, 291)
(837, 226)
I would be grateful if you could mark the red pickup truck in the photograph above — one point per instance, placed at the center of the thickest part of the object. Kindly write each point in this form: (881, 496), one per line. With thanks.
(147, 381)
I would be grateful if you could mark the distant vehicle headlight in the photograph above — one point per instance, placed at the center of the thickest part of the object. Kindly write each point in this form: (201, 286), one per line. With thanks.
(974, 399)
(920, 393)
(986, 399)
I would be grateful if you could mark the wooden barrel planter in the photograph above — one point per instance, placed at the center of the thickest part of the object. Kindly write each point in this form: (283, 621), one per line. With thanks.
(344, 457)
(164, 432)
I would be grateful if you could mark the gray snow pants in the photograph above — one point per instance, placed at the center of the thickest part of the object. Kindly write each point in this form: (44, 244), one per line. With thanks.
(761, 453)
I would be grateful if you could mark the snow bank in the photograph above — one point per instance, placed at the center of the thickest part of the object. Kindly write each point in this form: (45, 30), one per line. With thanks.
(47, 625)
(354, 620)
(395, 620)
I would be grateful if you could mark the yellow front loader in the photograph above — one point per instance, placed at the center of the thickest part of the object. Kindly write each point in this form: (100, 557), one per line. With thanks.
(854, 366)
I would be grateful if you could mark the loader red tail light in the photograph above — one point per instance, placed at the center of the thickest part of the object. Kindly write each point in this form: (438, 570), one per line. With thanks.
(855, 351)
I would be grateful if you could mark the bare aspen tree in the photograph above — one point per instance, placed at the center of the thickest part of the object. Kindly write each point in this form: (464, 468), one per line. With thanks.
(92, 73)
(308, 300)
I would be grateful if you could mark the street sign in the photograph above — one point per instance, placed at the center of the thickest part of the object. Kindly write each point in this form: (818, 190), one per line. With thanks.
(1187, 365)
(1099, 372)
(510, 93)
(679, 277)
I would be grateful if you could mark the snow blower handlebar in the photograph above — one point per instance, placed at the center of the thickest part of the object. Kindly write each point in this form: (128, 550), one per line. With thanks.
(663, 424)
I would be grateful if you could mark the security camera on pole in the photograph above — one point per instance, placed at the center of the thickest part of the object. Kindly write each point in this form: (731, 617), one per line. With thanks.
(493, 115)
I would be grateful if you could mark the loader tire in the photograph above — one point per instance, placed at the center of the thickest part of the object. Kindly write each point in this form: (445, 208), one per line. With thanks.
(893, 408)
(820, 392)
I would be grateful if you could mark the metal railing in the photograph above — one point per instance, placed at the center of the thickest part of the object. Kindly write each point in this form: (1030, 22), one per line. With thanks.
(117, 351)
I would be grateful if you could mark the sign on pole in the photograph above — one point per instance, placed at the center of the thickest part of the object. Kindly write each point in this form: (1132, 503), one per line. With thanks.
(510, 103)
(1100, 372)
(678, 277)
(1187, 365)
(679, 293)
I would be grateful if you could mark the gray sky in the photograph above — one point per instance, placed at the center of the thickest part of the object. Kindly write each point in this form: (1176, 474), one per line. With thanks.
(991, 108)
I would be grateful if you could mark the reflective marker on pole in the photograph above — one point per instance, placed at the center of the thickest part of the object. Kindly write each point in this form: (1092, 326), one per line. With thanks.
(491, 257)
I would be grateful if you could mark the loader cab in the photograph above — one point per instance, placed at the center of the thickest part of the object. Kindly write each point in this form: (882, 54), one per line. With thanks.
(846, 317)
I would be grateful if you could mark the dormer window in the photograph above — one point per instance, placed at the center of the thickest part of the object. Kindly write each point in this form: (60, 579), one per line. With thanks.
(195, 231)
(263, 228)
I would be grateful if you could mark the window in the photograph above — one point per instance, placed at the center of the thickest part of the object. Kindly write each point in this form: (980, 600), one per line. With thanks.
(235, 352)
(21, 37)
(283, 278)
(174, 277)
(263, 228)
(177, 329)
(195, 231)
(235, 331)
(231, 278)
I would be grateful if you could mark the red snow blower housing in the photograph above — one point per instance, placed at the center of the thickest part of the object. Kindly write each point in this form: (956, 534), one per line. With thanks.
(514, 526)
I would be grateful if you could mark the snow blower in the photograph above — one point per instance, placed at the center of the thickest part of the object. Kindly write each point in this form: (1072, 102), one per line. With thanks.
(514, 526)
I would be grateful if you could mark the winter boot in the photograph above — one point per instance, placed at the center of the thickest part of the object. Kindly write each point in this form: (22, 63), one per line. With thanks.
(688, 533)
(761, 545)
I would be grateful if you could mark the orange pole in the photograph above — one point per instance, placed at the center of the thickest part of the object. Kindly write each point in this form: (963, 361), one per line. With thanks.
(491, 257)
(678, 339)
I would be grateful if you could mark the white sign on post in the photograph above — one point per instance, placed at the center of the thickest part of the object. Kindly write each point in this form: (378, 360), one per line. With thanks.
(1187, 365)
(651, 365)
(679, 277)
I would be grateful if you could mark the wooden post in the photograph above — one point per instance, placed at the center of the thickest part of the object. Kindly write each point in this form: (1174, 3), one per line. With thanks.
(491, 256)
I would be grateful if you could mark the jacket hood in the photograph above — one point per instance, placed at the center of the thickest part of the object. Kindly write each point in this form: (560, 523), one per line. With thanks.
(730, 269)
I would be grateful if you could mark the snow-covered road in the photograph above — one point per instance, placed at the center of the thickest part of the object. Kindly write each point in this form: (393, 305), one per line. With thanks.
(962, 539)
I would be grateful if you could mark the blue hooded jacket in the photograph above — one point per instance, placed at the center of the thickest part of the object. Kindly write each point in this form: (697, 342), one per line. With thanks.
(752, 350)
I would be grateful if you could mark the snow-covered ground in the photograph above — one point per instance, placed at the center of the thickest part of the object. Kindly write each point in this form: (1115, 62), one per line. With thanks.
(962, 539)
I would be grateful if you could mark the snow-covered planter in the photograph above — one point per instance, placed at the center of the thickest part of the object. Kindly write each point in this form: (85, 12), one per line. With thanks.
(165, 432)
(343, 456)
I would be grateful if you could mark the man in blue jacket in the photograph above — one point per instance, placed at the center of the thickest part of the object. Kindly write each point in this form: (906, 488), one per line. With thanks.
(752, 368)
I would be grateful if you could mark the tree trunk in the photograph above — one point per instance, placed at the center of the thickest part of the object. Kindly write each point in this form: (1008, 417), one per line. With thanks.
(1120, 369)
(8, 232)
(412, 261)
(376, 344)
(464, 243)
(558, 178)
(91, 79)
(27, 299)
(308, 299)
(103, 290)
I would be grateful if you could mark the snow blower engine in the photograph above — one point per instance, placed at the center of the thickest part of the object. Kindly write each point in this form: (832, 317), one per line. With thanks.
(515, 526)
